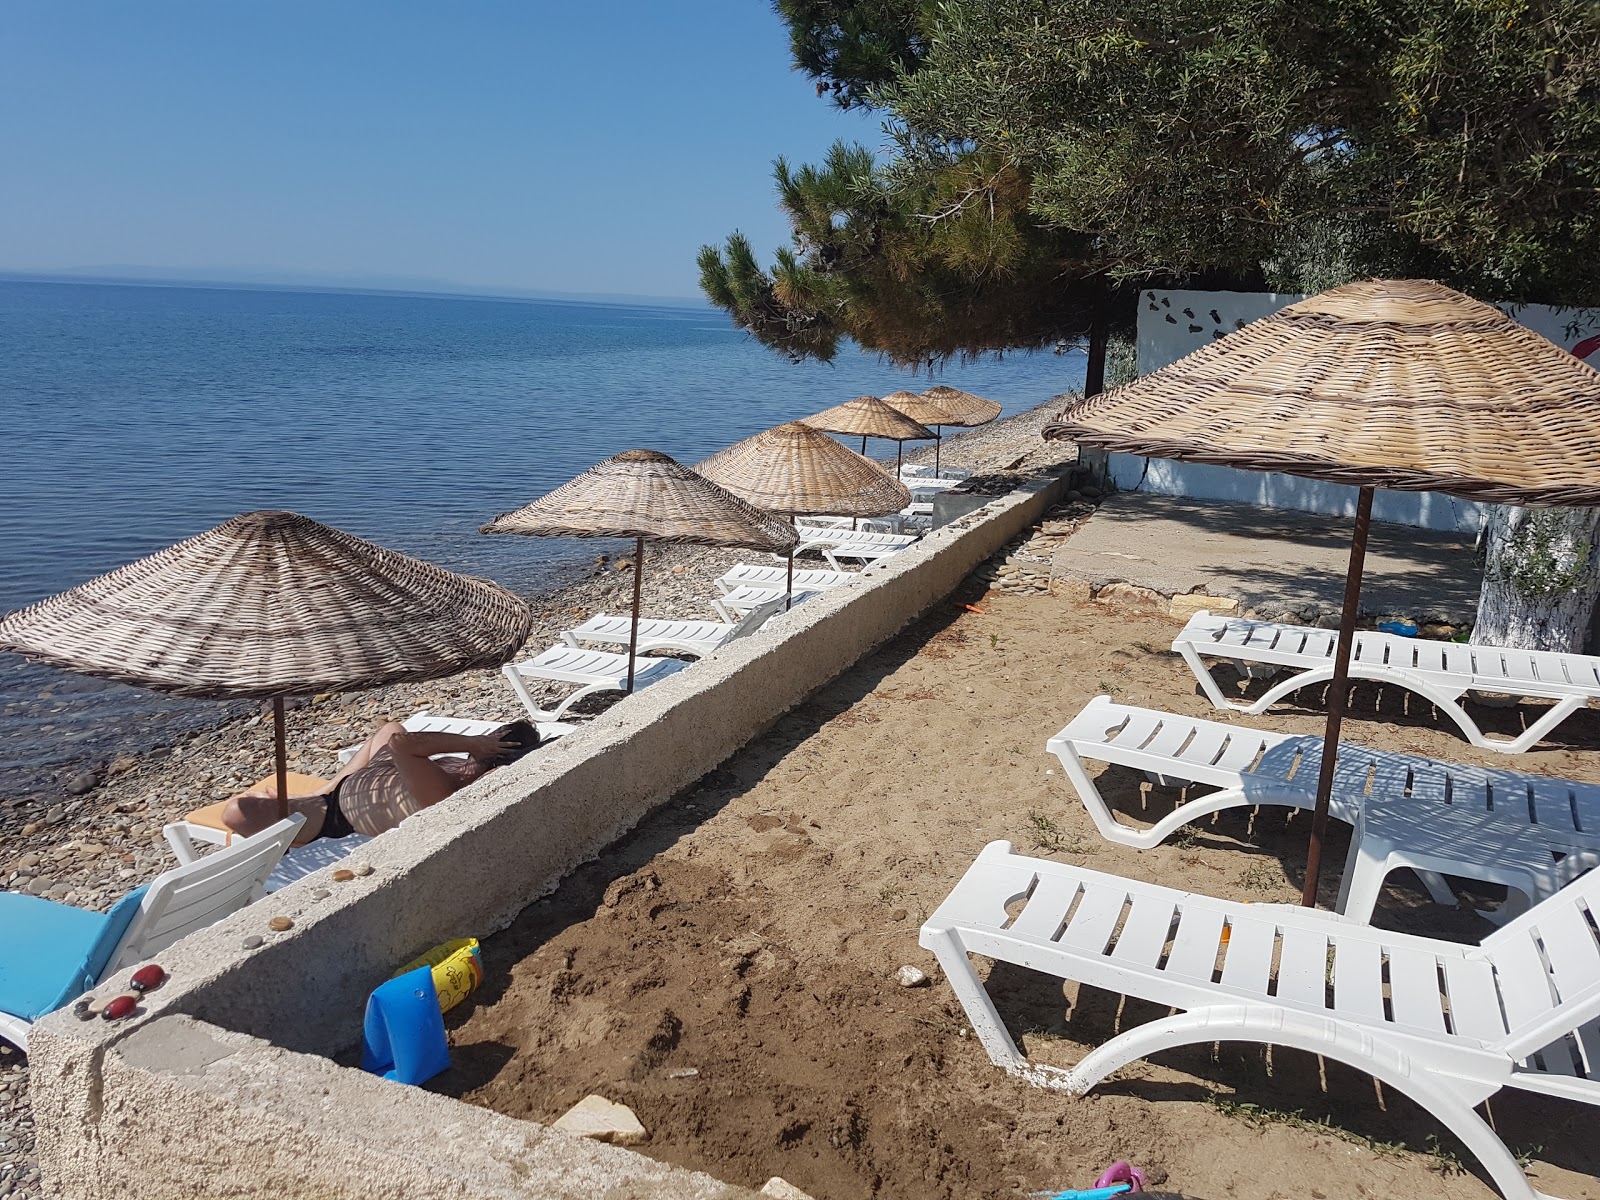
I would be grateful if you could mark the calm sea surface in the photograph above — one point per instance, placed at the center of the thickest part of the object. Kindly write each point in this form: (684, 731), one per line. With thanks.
(132, 417)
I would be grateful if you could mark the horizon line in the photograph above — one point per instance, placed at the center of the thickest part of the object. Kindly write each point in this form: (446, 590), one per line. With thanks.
(445, 292)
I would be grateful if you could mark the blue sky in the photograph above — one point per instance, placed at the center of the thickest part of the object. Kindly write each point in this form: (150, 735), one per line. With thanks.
(491, 144)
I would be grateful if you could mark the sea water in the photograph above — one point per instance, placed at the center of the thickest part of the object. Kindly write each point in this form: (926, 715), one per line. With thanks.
(132, 417)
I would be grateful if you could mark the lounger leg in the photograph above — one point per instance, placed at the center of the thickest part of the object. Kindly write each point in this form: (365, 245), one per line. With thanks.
(1207, 681)
(1438, 890)
(980, 1010)
(1113, 830)
(15, 1030)
(523, 694)
(1530, 736)
(1363, 879)
(1355, 1048)
(1099, 811)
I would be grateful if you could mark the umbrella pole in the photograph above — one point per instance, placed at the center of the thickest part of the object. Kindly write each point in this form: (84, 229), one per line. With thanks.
(280, 755)
(863, 443)
(788, 600)
(899, 448)
(1336, 695)
(938, 444)
(633, 635)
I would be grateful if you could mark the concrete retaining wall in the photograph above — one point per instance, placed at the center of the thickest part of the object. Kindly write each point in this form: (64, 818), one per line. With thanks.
(219, 1069)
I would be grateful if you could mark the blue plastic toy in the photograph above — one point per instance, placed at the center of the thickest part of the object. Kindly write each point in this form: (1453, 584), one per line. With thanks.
(1402, 628)
(1098, 1193)
(402, 1037)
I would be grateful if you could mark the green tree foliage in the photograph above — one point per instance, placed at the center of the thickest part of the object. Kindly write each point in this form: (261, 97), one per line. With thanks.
(950, 265)
(1454, 138)
(1045, 147)
(852, 46)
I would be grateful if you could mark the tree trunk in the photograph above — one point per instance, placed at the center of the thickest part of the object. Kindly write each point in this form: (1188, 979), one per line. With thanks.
(1541, 575)
(1094, 373)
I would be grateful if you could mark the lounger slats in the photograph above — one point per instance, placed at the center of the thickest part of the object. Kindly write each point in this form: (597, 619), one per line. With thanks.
(1358, 980)
(1474, 1007)
(1303, 968)
(1524, 987)
(1144, 934)
(1194, 948)
(1247, 964)
(1052, 897)
(1414, 990)
(1243, 748)
(1570, 947)
(1207, 743)
(1097, 914)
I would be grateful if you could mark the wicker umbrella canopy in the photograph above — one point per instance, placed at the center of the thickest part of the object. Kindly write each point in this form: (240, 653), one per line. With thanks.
(645, 495)
(943, 405)
(801, 471)
(963, 407)
(1397, 383)
(871, 417)
(1385, 383)
(271, 604)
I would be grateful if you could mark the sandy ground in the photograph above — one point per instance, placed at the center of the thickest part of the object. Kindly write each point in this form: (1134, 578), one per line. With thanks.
(727, 970)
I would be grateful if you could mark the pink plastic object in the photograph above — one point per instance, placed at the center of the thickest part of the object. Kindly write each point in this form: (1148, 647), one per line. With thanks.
(1121, 1172)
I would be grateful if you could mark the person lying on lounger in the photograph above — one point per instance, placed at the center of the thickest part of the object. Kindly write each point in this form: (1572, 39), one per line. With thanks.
(392, 776)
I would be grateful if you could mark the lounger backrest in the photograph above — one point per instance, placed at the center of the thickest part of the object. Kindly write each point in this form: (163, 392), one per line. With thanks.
(755, 619)
(197, 894)
(1547, 966)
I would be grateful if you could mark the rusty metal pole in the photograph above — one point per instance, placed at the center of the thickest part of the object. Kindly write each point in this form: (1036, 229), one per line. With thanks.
(280, 754)
(633, 636)
(1336, 695)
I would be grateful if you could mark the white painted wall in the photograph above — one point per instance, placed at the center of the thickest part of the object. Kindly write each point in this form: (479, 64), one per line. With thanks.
(1175, 323)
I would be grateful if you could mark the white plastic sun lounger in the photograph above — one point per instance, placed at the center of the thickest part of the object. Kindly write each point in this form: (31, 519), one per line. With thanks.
(812, 579)
(744, 599)
(819, 535)
(592, 670)
(52, 953)
(690, 637)
(1529, 832)
(427, 722)
(1440, 671)
(1447, 1024)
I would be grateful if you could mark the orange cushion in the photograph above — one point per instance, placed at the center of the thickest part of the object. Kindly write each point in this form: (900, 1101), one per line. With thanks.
(211, 815)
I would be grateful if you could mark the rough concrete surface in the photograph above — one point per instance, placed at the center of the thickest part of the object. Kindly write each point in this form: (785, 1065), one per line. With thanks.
(109, 1115)
(1273, 561)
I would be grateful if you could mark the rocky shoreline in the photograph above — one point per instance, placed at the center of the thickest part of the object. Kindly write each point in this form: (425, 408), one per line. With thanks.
(96, 832)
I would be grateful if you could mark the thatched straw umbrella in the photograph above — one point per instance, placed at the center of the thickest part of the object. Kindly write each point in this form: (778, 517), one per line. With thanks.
(267, 605)
(1386, 383)
(643, 494)
(800, 471)
(944, 405)
(871, 417)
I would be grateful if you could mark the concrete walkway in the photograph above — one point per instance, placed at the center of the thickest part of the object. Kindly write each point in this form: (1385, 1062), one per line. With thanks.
(1274, 562)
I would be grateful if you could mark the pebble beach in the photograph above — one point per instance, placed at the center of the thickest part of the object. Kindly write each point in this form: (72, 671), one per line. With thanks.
(94, 832)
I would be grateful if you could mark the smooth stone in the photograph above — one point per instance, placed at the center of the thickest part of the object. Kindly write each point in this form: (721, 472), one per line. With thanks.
(779, 1188)
(83, 781)
(910, 977)
(361, 869)
(603, 1120)
(251, 942)
(280, 924)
